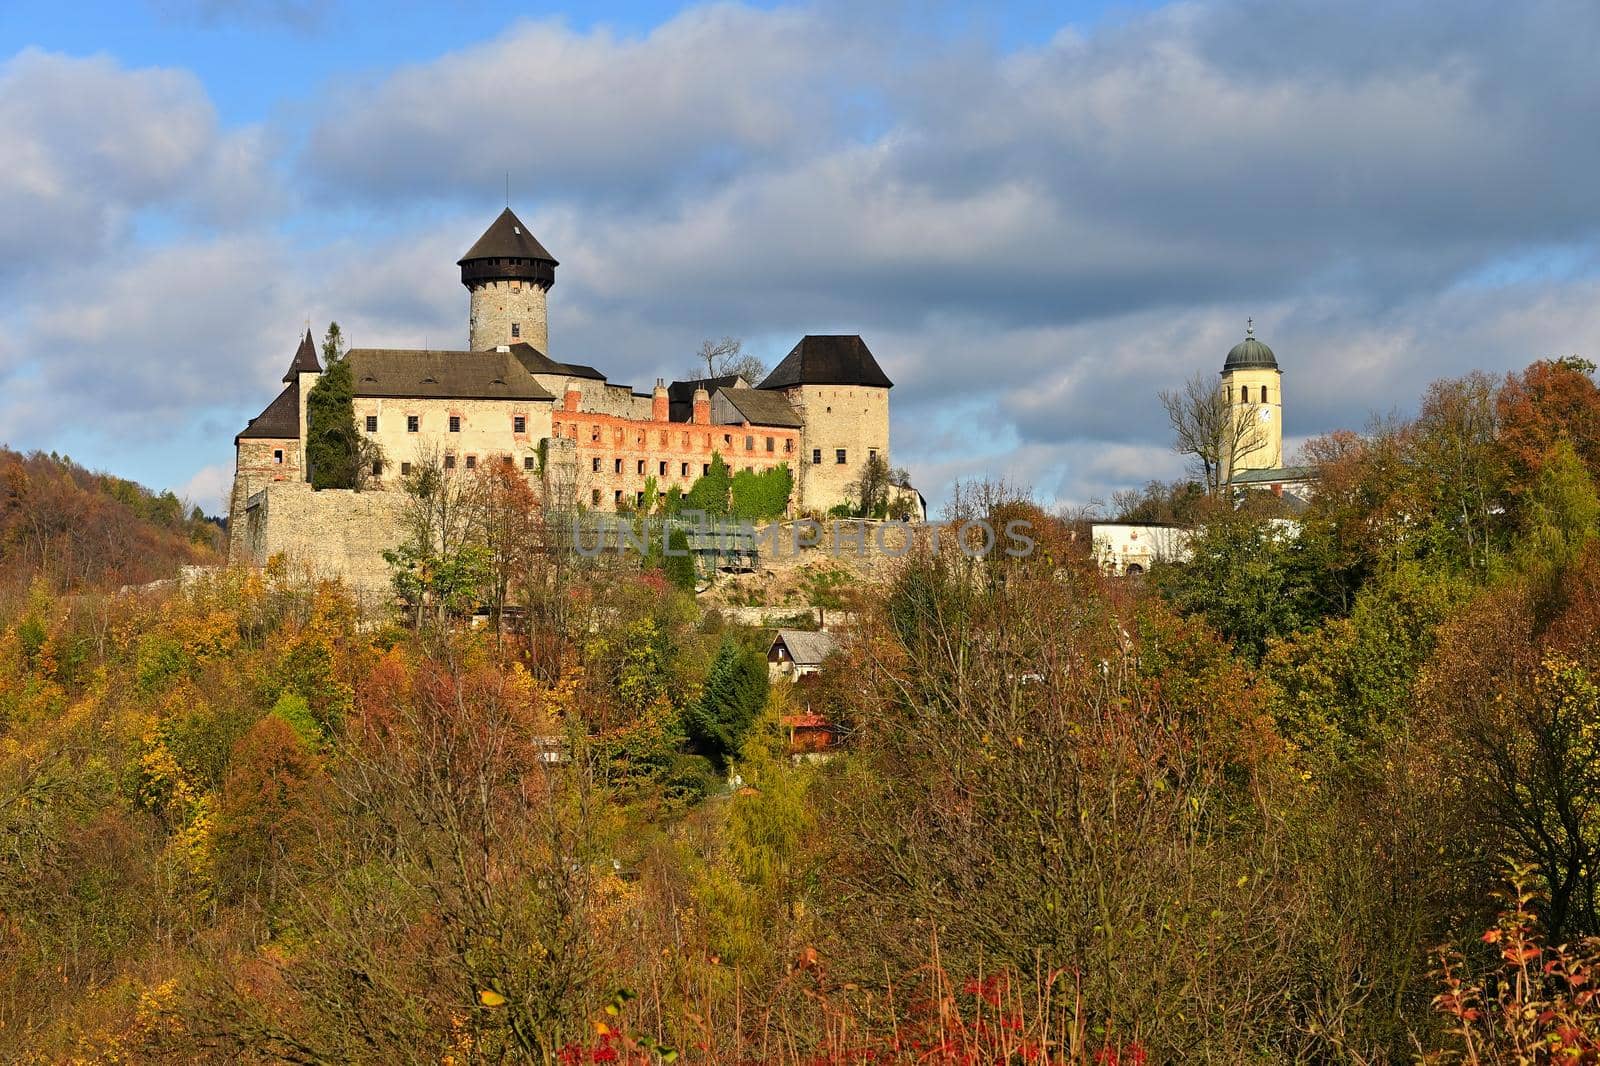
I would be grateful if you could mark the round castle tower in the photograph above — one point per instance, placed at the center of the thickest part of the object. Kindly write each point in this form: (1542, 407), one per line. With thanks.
(1252, 386)
(508, 273)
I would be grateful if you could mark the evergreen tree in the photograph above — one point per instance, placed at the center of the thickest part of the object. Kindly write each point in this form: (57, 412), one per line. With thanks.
(735, 692)
(710, 491)
(336, 452)
(677, 563)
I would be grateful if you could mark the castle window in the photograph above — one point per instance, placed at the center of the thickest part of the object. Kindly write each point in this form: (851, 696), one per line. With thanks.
(872, 453)
(596, 462)
(788, 445)
(519, 424)
(594, 497)
(377, 468)
(749, 443)
(705, 468)
(372, 423)
(455, 423)
(663, 468)
(816, 456)
(472, 462)
(770, 445)
(449, 462)
(727, 438)
(594, 433)
(838, 456)
(616, 466)
(1263, 394)
(638, 498)
(527, 462)
(405, 469)
(1244, 393)
(685, 471)
(616, 497)
(412, 423)
(640, 469)
(505, 460)
(277, 456)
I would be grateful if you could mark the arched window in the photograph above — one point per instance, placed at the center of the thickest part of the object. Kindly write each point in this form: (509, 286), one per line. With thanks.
(1244, 393)
(1263, 394)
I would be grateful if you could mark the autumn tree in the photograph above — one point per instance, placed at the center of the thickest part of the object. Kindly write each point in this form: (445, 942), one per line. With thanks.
(1214, 433)
(1551, 399)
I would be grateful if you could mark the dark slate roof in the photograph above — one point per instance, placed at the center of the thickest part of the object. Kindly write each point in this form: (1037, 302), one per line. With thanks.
(536, 362)
(400, 372)
(806, 648)
(828, 359)
(305, 360)
(507, 238)
(680, 394)
(1250, 353)
(1282, 475)
(281, 419)
(762, 408)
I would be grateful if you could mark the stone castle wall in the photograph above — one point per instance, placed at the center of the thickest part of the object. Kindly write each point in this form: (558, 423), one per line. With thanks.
(497, 305)
(260, 462)
(334, 533)
(854, 418)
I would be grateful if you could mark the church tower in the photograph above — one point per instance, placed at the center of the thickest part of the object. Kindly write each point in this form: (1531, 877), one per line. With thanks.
(1252, 388)
(508, 273)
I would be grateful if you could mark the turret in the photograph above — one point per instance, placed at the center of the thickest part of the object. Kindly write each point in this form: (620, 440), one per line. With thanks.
(702, 407)
(508, 272)
(659, 408)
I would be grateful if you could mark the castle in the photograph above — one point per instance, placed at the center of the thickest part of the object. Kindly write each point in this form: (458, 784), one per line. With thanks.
(824, 411)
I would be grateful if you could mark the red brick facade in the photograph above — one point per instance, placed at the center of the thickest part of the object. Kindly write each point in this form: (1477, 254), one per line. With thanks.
(617, 455)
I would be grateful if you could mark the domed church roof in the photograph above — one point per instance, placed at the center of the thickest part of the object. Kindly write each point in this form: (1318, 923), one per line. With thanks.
(1250, 353)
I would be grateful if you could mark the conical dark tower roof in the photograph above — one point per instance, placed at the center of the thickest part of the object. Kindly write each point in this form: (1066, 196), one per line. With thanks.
(507, 250)
(305, 359)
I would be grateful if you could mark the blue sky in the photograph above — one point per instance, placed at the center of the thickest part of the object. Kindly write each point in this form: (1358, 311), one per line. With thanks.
(1037, 214)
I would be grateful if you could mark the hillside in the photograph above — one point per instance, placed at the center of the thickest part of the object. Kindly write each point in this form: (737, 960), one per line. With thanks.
(1311, 795)
(80, 529)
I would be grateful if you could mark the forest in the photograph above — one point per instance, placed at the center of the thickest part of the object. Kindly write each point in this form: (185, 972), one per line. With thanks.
(1323, 794)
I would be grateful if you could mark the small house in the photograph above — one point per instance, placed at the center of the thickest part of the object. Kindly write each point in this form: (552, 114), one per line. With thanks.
(797, 652)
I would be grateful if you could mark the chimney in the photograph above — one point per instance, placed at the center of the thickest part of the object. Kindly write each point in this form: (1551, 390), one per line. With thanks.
(658, 401)
(573, 397)
(702, 407)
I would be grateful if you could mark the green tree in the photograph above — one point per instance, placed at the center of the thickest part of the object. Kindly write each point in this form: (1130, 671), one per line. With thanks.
(711, 490)
(1249, 577)
(735, 691)
(1561, 511)
(762, 495)
(337, 453)
(871, 490)
(677, 563)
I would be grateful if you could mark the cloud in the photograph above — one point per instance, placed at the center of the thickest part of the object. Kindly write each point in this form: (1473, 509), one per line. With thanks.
(594, 114)
(209, 488)
(90, 143)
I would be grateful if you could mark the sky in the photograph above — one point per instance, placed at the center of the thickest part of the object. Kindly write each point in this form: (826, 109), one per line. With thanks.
(1038, 215)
